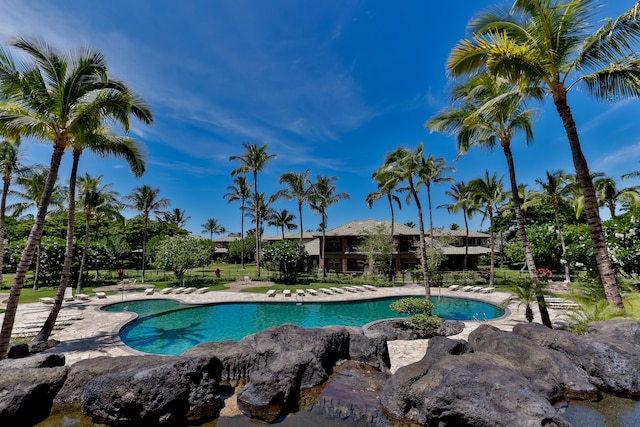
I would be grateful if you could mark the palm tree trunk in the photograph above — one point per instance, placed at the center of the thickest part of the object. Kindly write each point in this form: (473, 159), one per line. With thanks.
(430, 215)
(3, 207)
(242, 236)
(36, 275)
(144, 242)
(255, 187)
(567, 274)
(466, 242)
(607, 275)
(393, 241)
(524, 239)
(423, 249)
(83, 261)
(492, 255)
(30, 246)
(324, 239)
(50, 323)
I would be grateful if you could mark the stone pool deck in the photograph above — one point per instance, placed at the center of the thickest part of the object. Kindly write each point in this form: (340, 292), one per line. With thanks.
(84, 331)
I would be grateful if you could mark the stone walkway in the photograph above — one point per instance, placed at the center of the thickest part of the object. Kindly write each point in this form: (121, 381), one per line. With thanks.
(84, 331)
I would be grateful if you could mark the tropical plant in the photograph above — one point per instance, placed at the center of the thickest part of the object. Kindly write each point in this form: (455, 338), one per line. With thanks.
(181, 253)
(212, 226)
(298, 187)
(176, 217)
(146, 200)
(609, 195)
(421, 313)
(239, 192)
(324, 195)
(462, 201)
(433, 171)
(525, 294)
(282, 219)
(551, 43)
(51, 96)
(253, 160)
(287, 257)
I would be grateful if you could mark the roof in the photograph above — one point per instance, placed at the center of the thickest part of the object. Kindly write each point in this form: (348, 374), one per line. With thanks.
(358, 228)
(306, 235)
(459, 250)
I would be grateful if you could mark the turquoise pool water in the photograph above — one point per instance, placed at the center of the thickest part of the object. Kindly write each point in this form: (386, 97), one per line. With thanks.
(169, 327)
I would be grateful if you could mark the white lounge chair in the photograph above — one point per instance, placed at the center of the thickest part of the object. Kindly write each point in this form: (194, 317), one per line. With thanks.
(166, 291)
(271, 293)
(337, 290)
(68, 294)
(47, 300)
(326, 291)
(467, 288)
(487, 290)
(454, 287)
(82, 297)
(350, 288)
(201, 290)
(477, 288)
(312, 292)
(101, 295)
(286, 293)
(189, 290)
(359, 288)
(300, 292)
(149, 291)
(370, 288)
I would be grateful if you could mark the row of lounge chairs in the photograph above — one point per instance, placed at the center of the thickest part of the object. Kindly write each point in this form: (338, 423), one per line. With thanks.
(175, 291)
(470, 288)
(327, 291)
(560, 303)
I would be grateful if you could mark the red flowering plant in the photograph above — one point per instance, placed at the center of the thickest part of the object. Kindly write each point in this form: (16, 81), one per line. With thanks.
(544, 273)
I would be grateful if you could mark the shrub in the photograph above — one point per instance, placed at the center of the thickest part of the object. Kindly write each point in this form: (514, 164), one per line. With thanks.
(424, 323)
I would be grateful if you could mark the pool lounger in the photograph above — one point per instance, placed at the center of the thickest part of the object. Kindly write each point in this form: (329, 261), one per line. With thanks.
(454, 287)
(300, 292)
(82, 297)
(337, 290)
(101, 295)
(201, 291)
(477, 288)
(370, 288)
(350, 288)
(166, 291)
(326, 291)
(178, 290)
(47, 300)
(271, 293)
(148, 291)
(359, 288)
(487, 290)
(286, 293)
(189, 290)
(312, 292)
(466, 288)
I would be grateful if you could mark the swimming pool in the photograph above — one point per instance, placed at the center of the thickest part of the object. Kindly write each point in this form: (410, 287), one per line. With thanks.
(169, 327)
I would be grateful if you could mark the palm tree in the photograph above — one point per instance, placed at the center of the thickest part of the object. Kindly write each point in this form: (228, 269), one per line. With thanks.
(551, 43)
(146, 200)
(387, 183)
(410, 224)
(10, 165)
(433, 171)
(239, 192)
(32, 183)
(324, 195)
(298, 187)
(488, 192)
(253, 160)
(406, 165)
(608, 194)
(461, 197)
(488, 110)
(50, 96)
(176, 217)
(212, 226)
(282, 219)
(555, 190)
(258, 203)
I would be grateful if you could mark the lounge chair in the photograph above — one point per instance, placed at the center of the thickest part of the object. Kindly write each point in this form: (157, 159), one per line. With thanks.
(271, 293)
(370, 288)
(326, 291)
(286, 293)
(149, 291)
(350, 288)
(82, 297)
(477, 288)
(337, 290)
(312, 292)
(300, 292)
(454, 287)
(201, 290)
(487, 290)
(101, 295)
(47, 300)
(467, 288)
(189, 290)
(166, 291)
(178, 290)
(68, 294)
(359, 288)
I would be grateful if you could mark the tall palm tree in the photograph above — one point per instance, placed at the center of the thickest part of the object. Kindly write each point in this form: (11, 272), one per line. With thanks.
(177, 217)
(212, 226)
(32, 183)
(406, 166)
(552, 43)
(298, 187)
(282, 219)
(239, 192)
(461, 201)
(488, 192)
(324, 195)
(49, 95)
(387, 183)
(10, 165)
(258, 203)
(556, 188)
(146, 200)
(609, 194)
(253, 160)
(433, 172)
(488, 111)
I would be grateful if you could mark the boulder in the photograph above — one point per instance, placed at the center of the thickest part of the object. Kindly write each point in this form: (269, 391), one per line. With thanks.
(167, 394)
(450, 327)
(551, 374)
(237, 359)
(612, 364)
(16, 351)
(26, 394)
(35, 361)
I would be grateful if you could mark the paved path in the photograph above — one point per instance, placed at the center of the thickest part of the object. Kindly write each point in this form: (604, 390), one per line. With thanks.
(84, 331)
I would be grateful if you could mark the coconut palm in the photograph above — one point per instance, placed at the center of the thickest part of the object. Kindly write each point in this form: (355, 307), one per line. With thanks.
(176, 217)
(212, 226)
(525, 294)
(433, 171)
(324, 195)
(552, 43)
(488, 193)
(487, 111)
(258, 203)
(239, 192)
(253, 160)
(461, 201)
(146, 200)
(282, 219)
(10, 166)
(50, 96)
(387, 182)
(298, 187)
(609, 194)
(405, 165)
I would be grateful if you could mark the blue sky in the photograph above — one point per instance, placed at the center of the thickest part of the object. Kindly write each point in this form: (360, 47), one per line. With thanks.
(332, 86)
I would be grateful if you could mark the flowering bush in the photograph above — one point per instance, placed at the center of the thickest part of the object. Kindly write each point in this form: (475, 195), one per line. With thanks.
(486, 274)
(544, 273)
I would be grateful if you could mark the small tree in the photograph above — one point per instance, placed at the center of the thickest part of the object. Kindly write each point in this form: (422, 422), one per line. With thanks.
(285, 256)
(420, 310)
(181, 253)
(378, 246)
